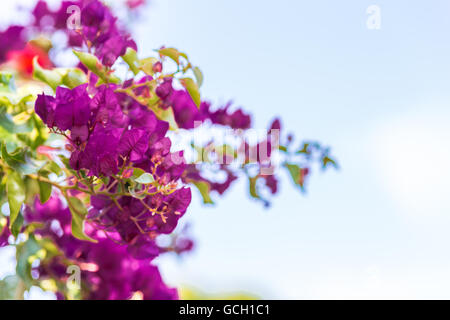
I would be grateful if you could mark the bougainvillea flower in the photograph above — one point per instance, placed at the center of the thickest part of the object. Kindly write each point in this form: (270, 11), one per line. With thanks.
(143, 248)
(93, 13)
(4, 235)
(177, 204)
(100, 155)
(185, 110)
(105, 107)
(11, 39)
(236, 120)
(133, 144)
(165, 89)
(39, 12)
(45, 108)
(72, 107)
(108, 269)
(111, 49)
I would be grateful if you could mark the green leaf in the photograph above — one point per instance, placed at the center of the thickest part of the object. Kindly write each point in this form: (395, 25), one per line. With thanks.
(79, 212)
(252, 187)
(145, 178)
(294, 171)
(198, 76)
(15, 188)
(146, 65)
(137, 172)
(130, 57)
(15, 228)
(74, 77)
(136, 194)
(204, 189)
(326, 161)
(19, 161)
(51, 77)
(296, 174)
(172, 53)
(24, 255)
(166, 115)
(192, 88)
(31, 190)
(92, 63)
(14, 158)
(8, 287)
(7, 82)
(304, 149)
(45, 191)
(52, 166)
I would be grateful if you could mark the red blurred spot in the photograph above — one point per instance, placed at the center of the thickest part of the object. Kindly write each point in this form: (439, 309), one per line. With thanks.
(23, 59)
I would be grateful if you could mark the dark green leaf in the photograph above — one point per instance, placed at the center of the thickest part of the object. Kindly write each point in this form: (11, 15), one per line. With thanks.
(45, 191)
(24, 252)
(17, 225)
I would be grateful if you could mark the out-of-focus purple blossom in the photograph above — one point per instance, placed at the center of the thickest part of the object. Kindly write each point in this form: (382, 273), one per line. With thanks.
(4, 235)
(11, 39)
(39, 12)
(236, 120)
(185, 111)
(108, 269)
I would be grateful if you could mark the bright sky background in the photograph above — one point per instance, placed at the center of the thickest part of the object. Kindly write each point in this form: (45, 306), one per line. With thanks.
(377, 228)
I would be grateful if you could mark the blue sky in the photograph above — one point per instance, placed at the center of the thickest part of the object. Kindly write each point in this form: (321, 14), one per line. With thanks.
(377, 228)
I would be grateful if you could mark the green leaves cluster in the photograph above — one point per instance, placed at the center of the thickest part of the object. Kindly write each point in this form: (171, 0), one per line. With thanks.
(182, 62)
(70, 77)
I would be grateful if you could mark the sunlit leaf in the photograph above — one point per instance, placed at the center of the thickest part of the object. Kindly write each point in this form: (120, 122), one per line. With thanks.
(198, 76)
(74, 77)
(326, 161)
(252, 187)
(145, 178)
(192, 89)
(51, 77)
(146, 65)
(15, 188)
(204, 189)
(130, 57)
(6, 82)
(79, 212)
(172, 53)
